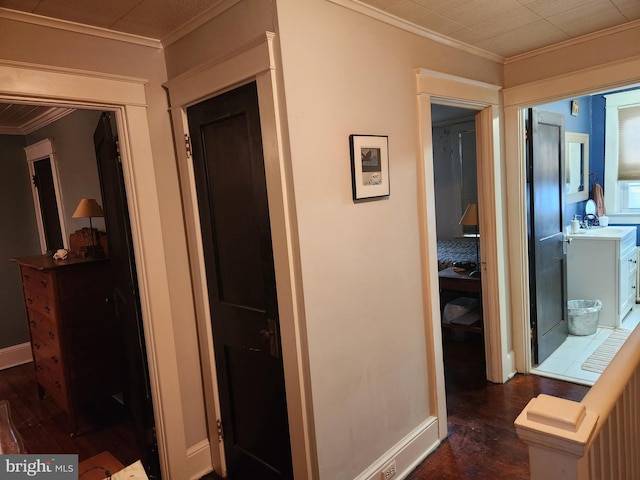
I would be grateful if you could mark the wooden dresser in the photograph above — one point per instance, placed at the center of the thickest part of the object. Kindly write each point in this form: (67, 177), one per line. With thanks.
(72, 328)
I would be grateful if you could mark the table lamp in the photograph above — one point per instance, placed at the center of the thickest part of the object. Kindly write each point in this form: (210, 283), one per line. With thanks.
(89, 208)
(470, 217)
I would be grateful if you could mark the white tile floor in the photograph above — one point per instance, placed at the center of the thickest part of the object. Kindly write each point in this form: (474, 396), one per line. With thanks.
(566, 362)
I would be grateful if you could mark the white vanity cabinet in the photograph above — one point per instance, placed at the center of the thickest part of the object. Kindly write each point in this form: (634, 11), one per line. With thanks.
(602, 265)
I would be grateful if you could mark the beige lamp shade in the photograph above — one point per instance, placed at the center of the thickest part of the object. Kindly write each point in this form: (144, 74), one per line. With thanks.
(88, 208)
(470, 215)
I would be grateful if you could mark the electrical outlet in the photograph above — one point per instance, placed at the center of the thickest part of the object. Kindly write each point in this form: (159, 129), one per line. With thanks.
(388, 471)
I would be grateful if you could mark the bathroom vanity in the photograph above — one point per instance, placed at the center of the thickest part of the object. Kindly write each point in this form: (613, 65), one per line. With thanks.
(602, 265)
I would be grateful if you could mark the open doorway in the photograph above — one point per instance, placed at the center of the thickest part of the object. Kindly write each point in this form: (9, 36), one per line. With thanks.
(458, 243)
(89, 167)
(587, 127)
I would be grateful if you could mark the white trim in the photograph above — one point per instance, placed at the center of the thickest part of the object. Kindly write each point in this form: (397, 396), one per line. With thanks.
(82, 89)
(40, 151)
(15, 355)
(611, 149)
(446, 89)
(386, 17)
(429, 251)
(199, 459)
(624, 73)
(68, 26)
(39, 84)
(580, 138)
(255, 60)
(408, 452)
(209, 14)
(574, 41)
(44, 118)
(516, 100)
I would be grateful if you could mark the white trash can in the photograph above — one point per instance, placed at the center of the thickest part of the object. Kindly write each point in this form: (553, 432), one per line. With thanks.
(583, 316)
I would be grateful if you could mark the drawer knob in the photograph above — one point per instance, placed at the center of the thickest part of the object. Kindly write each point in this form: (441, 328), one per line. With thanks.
(43, 282)
(29, 300)
(32, 323)
(54, 359)
(36, 346)
(52, 335)
(47, 309)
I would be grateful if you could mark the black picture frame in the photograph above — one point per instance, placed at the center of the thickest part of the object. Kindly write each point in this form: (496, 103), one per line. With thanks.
(369, 166)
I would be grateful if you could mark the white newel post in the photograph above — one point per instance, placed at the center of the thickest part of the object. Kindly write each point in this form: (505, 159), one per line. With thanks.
(558, 433)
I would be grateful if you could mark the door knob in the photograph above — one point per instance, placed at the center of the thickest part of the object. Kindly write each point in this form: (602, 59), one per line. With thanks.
(270, 334)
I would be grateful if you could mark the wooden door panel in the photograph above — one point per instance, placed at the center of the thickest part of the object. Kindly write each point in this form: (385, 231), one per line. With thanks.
(239, 278)
(130, 349)
(548, 260)
(48, 204)
(234, 221)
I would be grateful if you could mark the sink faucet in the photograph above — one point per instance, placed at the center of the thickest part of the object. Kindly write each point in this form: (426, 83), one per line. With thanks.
(588, 220)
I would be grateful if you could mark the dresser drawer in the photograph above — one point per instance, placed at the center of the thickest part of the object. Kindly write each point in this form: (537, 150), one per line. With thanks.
(50, 373)
(40, 304)
(54, 386)
(37, 281)
(42, 328)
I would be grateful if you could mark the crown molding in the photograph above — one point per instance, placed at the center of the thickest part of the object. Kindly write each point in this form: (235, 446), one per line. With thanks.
(34, 19)
(416, 29)
(574, 41)
(209, 14)
(47, 116)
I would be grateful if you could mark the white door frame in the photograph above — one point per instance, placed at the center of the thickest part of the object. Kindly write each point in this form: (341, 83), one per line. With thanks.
(47, 85)
(516, 100)
(485, 98)
(39, 151)
(255, 60)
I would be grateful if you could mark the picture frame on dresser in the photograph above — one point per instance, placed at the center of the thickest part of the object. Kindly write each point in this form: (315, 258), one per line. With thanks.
(369, 166)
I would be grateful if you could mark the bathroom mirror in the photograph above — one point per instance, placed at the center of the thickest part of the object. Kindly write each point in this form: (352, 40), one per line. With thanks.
(576, 167)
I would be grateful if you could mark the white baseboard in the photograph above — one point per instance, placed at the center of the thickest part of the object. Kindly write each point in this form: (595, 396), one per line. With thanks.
(15, 355)
(510, 365)
(408, 452)
(199, 459)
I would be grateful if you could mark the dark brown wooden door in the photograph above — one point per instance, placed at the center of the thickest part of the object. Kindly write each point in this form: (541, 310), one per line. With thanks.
(547, 248)
(43, 180)
(126, 300)
(234, 218)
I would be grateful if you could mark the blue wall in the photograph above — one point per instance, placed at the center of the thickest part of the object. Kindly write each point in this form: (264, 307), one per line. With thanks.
(581, 123)
(591, 120)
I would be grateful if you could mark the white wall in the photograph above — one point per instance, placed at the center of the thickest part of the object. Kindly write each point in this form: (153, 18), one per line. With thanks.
(456, 186)
(28, 42)
(344, 74)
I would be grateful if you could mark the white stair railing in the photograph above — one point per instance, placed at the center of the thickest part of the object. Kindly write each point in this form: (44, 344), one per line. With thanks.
(595, 439)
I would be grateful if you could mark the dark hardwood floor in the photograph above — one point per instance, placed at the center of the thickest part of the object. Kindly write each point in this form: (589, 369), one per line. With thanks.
(44, 427)
(482, 442)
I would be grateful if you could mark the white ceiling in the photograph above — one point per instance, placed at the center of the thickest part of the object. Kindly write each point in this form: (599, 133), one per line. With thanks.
(511, 27)
(503, 28)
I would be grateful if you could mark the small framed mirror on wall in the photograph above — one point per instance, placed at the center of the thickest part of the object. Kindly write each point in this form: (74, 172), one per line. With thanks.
(576, 167)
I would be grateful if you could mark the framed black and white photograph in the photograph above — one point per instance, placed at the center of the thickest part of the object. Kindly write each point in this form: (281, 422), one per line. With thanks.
(369, 166)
